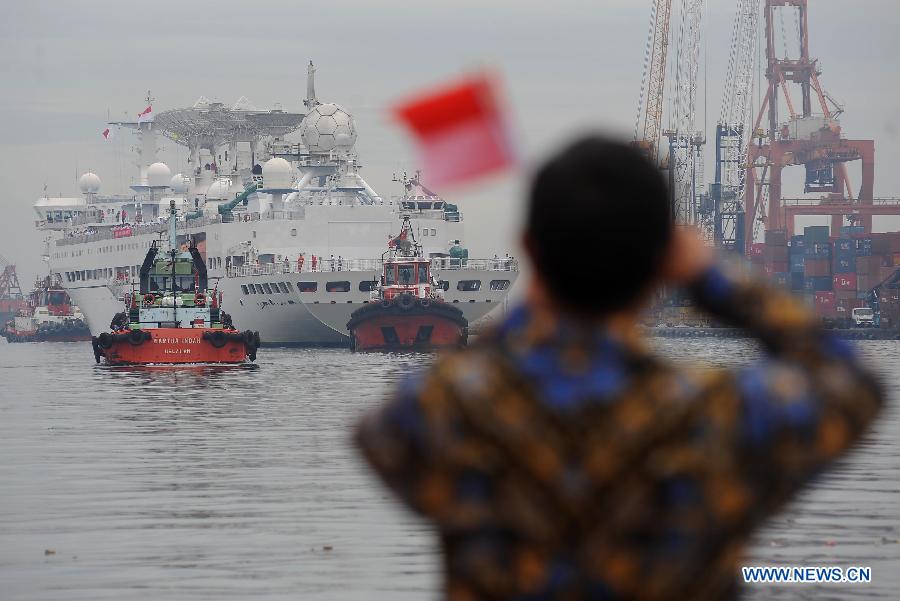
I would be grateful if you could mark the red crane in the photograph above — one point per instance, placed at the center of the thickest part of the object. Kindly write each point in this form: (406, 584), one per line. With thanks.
(814, 141)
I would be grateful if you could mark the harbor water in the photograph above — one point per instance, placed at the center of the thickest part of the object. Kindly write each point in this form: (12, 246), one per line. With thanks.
(240, 483)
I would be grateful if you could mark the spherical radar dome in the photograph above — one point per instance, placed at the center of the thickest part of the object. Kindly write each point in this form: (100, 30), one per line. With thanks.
(277, 174)
(89, 183)
(218, 190)
(159, 175)
(179, 184)
(328, 127)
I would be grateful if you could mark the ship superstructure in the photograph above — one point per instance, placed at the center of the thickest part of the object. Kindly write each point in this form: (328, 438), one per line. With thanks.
(290, 231)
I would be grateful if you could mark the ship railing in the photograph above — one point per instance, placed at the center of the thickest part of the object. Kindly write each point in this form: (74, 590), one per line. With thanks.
(327, 265)
(450, 263)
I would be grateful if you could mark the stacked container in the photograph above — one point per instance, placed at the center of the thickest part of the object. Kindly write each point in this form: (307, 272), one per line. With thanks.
(776, 258)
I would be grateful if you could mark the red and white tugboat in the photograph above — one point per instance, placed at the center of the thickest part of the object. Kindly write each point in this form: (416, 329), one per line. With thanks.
(407, 310)
(48, 316)
(175, 319)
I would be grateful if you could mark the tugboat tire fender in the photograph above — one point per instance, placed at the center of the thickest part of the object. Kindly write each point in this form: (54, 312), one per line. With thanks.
(104, 340)
(385, 303)
(248, 339)
(424, 302)
(406, 302)
(217, 338)
(137, 337)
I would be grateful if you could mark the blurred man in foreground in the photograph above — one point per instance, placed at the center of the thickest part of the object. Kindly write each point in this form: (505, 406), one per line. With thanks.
(559, 458)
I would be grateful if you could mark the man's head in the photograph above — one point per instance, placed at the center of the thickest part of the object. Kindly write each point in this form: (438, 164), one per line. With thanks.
(599, 226)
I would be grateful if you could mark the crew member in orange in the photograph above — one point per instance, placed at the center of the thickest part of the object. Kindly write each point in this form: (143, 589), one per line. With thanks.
(300, 261)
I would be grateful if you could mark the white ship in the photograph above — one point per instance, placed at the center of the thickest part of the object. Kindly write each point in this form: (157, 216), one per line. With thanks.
(291, 233)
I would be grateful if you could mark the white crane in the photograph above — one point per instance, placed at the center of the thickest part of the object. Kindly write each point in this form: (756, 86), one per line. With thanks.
(685, 142)
(733, 130)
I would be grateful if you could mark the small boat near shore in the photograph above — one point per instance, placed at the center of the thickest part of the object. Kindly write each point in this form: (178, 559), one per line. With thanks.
(406, 310)
(174, 318)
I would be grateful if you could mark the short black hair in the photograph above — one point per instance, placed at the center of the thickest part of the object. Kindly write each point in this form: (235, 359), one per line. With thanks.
(599, 224)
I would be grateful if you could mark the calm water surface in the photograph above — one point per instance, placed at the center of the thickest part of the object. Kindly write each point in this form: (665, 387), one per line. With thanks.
(240, 483)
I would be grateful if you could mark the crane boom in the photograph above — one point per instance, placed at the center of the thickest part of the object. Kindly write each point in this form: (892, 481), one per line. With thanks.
(733, 132)
(648, 124)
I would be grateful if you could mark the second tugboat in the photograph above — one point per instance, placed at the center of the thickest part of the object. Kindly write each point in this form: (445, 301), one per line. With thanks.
(406, 311)
(175, 318)
(48, 316)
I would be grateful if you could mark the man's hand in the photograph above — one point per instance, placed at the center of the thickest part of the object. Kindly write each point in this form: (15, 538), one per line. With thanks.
(688, 258)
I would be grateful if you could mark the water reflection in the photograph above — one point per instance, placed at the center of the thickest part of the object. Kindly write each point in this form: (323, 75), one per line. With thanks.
(233, 483)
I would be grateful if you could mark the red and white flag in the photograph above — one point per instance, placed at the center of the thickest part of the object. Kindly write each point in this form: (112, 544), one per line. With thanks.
(108, 134)
(461, 130)
(146, 115)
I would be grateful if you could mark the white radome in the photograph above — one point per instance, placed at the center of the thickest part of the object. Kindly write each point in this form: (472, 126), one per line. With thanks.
(159, 175)
(218, 190)
(328, 127)
(179, 184)
(89, 183)
(277, 174)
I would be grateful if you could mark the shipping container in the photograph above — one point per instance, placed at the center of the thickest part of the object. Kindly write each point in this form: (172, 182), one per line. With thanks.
(776, 238)
(816, 234)
(776, 253)
(844, 265)
(798, 263)
(844, 245)
(782, 280)
(756, 250)
(817, 267)
(848, 231)
(797, 242)
(824, 304)
(818, 284)
(844, 281)
(820, 251)
(864, 247)
(797, 280)
(868, 264)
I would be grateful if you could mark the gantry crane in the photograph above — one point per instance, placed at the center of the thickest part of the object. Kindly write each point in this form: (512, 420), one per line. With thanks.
(648, 125)
(733, 131)
(814, 141)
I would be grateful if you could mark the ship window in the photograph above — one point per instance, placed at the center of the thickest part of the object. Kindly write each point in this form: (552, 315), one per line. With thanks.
(406, 275)
(368, 285)
(244, 289)
(259, 289)
(499, 284)
(444, 285)
(268, 289)
(290, 287)
(251, 288)
(425, 232)
(434, 231)
(390, 276)
(282, 287)
(294, 232)
(469, 285)
(307, 286)
(337, 287)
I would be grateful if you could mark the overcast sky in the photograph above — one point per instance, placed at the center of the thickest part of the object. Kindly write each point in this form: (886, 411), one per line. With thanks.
(569, 66)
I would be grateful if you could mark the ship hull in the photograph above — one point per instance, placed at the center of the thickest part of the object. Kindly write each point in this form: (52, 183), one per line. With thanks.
(61, 335)
(172, 346)
(408, 326)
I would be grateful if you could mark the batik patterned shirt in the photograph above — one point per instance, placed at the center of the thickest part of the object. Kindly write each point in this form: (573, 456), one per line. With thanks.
(557, 461)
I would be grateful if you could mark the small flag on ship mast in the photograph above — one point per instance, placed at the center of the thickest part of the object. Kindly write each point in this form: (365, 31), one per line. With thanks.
(108, 134)
(460, 129)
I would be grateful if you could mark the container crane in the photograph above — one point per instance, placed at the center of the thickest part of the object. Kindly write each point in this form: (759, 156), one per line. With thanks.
(648, 124)
(685, 142)
(814, 141)
(733, 131)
